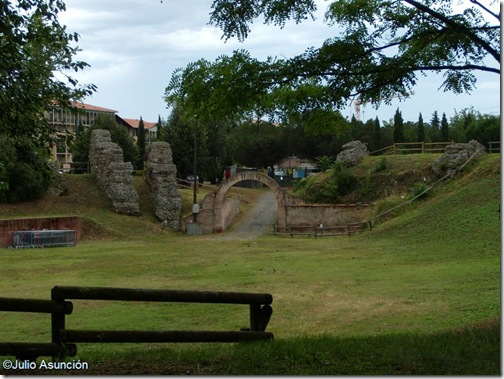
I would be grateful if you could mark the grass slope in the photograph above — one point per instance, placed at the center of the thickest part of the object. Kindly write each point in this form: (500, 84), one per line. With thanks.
(420, 294)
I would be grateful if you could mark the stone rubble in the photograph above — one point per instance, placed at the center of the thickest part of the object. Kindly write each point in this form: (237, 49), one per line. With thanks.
(353, 152)
(455, 155)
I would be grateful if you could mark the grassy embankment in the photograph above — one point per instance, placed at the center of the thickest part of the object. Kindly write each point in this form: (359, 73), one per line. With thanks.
(420, 294)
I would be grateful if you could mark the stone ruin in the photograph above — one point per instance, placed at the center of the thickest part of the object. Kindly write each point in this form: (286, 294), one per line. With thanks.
(160, 175)
(113, 175)
(455, 155)
(353, 152)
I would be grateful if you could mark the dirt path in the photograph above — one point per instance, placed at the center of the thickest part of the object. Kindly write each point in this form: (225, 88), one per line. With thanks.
(257, 222)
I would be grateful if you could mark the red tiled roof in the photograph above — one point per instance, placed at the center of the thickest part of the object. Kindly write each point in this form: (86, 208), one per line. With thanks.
(134, 122)
(89, 107)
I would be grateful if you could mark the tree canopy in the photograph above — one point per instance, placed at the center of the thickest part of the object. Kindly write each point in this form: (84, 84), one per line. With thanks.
(35, 55)
(381, 48)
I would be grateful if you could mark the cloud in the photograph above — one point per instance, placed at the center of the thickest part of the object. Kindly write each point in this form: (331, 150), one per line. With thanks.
(133, 46)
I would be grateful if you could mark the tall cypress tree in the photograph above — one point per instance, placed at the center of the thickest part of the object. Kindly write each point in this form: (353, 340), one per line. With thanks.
(444, 128)
(141, 143)
(398, 127)
(435, 126)
(421, 129)
(377, 137)
(159, 132)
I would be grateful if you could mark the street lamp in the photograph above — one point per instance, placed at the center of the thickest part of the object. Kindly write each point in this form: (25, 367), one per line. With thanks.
(195, 207)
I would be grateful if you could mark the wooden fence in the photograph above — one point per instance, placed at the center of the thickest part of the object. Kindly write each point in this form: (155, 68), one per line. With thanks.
(494, 146)
(321, 231)
(412, 148)
(63, 340)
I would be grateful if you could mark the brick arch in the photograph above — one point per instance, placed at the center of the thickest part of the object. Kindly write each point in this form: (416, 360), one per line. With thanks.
(220, 196)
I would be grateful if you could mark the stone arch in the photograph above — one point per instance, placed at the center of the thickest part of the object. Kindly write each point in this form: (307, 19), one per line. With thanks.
(220, 197)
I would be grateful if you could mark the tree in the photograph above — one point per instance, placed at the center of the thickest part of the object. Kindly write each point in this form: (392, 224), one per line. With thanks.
(141, 144)
(398, 127)
(380, 49)
(179, 133)
(118, 134)
(35, 54)
(377, 136)
(420, 129)
(435, 125)
(470, 124)
(159, 131)
(258, 144)
(445, 129)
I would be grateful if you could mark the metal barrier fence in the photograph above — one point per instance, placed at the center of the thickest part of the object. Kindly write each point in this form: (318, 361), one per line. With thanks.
(41, 238)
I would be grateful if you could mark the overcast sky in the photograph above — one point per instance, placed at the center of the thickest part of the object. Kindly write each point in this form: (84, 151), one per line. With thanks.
(133, 46)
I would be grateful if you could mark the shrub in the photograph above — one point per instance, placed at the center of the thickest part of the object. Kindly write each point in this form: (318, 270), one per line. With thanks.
(382, 164)
(324, 162)
(343, 179)
(24, 173)
(418, 189)
(367, 188)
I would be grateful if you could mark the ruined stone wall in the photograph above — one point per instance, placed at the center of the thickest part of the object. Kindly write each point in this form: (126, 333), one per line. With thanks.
(327, 214)
(113, 175)
(160, 175)
(230, 209)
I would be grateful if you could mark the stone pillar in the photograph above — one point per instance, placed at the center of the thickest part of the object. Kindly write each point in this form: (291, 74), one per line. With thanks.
(160, 175)
(113, 175)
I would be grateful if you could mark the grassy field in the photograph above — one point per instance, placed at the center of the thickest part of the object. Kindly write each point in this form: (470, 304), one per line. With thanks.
(420, 294)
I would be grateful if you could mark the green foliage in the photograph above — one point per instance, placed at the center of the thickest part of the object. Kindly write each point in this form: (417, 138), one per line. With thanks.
(377, 135)
(329, 189)
(214, 144)
(379, 50)
(258, 144)
(344, 179)
(382, 164)
(445, 128)
(366, 187)
(141, 144)
(469, 124)
(118, 134)
(324, 162)
(24, 172)
(398, 127)
(418, 189)
(435, 125)
(34, 48)
(420, 129)
(160, 125)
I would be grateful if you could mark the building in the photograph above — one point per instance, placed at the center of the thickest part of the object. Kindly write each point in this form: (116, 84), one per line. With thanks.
(132, 125)
(66, 123)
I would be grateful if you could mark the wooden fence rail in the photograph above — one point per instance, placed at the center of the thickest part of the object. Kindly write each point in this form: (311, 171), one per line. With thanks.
(494, 146)
(324, 231)
(63, 340)
(412, 148)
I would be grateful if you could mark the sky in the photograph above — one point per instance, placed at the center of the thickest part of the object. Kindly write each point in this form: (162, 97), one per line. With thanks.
(133, 47)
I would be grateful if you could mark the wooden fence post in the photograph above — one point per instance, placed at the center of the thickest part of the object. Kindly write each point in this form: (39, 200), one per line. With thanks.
(57, 318)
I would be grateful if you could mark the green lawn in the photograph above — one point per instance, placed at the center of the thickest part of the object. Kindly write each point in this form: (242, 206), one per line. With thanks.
(425, 276)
